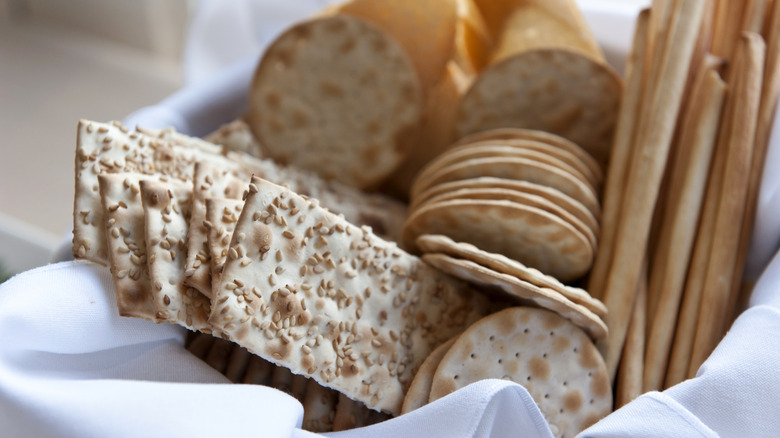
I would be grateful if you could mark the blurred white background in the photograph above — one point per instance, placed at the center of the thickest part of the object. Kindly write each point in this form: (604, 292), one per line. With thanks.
(62, 60)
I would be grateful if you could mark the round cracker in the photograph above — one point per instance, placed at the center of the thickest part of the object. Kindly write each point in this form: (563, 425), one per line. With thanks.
(417, 394)
(431, 243)
(521, 169)
(496, 150)
(553, 90)
(524, 199)
(338, 96)
(541, 136)
(556, 196)
(553, 359)
(527, 234)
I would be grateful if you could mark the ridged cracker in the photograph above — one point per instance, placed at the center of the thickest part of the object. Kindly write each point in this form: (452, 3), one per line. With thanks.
(352, 414)
(306, 289)
(554, 360)
(338, 96)
(166, 214)
(442, 244)
(527, 234)
(319, 408)
(418, 392)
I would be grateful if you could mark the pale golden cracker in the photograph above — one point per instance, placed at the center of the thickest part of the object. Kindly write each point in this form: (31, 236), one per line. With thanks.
(304, 288)
(338, 96)
(442, 244)
(553, 359)
(235, 136)
(417, 394)
(526, 234)
(221, 217)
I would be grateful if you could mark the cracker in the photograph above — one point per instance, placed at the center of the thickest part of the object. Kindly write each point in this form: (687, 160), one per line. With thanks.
(221, 217)
(560, 91)
(523, 199)
(529, 235)
(166, 213)
(442, 244)
(305, 289)
(553, 359)
(540, 136)
(351, 414)
(417, 394)
(219, 354)
(210, 180)
(282, 379)
(338, 96)
(237, 365)
(235, 136)
(258, 371)
(519, 291)
(494, 150)
(200, 344)
(571, 205)
(517, 169)
(120, 195)
(319, 408)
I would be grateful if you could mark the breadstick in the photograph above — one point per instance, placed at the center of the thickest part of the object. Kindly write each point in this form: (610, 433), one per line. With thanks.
(629, 380)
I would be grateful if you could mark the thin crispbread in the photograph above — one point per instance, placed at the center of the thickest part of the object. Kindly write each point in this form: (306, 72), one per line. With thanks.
(524, 199)
(559, 91)
(429, 243)
(238, 363)
(513, 168)
(305, 289)
(259, 371)
(210, 180)
(540, 136)
(529, 235)
(120, 196)
(200, 344)
(221, 217)
(166, 214)
(418, 392)
(338, 96)
(235, 136)
(219, 355)
(351, 414)
(319, 408)
(519, 291)
(570, 204)
(553, 359)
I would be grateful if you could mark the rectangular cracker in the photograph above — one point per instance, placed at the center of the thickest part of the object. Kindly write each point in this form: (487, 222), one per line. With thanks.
(120, 195)
(305, 289)
(221, 217)
(166, 213)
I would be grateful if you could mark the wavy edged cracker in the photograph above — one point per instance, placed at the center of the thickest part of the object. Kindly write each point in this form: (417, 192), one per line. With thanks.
(442, 244)
(553, 359)
(210, 180)
(524, 199)
(530, 149)
(570, 204)
(120, 195)
(221, 217)
(305, 289)
(166, 214)
(520, 292)
(403, 19)
(527, 234)
(235, 136)
(352, 414)
(540, 136)
(553, 90)
(521, 169)
(338, 96)
(418, 392)
(319, 408)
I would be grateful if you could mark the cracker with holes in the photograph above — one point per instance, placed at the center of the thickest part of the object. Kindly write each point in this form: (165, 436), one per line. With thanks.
(432, 243)
(120, 194)
(166, 213)
(306, 289)
(418, 392)
(530, 235)
(221, 217)
(338, 96)
(553, 359)
(519, 291)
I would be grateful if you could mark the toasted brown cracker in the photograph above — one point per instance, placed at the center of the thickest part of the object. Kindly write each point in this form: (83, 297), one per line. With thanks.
(418, 392)
(238, 363)
(352, 414)
(529, 235)
(259, 371)
(338, 96)
(520, 292)
(305, 289)
(553, 359)
(442, 244)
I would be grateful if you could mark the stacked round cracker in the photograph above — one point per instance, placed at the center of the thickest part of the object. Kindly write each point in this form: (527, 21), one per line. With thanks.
(528, 195)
